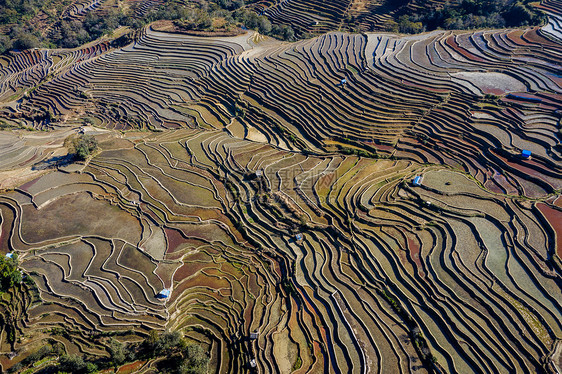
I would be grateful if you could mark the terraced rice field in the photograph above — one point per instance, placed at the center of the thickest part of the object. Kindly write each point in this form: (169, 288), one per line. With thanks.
(315, 16)
(271, 197)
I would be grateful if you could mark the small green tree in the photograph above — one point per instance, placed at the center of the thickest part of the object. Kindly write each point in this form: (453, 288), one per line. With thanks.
(75, 364)
(81, 146)
(195, 360)
(116, 352)
(85, 146)
(26, 41)
(166, 342)
(9, 273)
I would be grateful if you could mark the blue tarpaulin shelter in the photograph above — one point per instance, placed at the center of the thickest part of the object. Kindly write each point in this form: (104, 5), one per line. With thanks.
(164, 294)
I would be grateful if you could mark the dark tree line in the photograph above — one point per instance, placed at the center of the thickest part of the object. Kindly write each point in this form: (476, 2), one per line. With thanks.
(223, 14)
(12, 11)
(204, 15)
(230, 15)
(176, 355)
(468, 14)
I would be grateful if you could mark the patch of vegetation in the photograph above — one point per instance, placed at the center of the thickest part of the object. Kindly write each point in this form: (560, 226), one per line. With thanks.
(357, 152)
(12, 126)
(10, 276)
(467, 14)
(228, 16)
(20, 13)
(225, 15)
(180, 355)
(173, 353)
(298, 363)
(232, 188)
(38, 357)
(118, 353)
(82, 146)
(490, 98)
(76, 365)
(205, 16)
(289, 288)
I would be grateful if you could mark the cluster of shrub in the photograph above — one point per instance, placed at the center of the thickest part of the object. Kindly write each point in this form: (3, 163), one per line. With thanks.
(10, 275)
(468, 14)
(179, 356)
(53, 349)
(16, 12)
(228, 15)
(11, 11)
(81, 146)
(67, 33)
(205, 15)
(223, 14)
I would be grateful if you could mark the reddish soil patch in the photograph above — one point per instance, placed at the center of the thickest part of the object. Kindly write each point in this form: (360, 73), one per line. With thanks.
(25, 187)
(554, 217)
(499, 184)
(515, 37)
(29, 160)
(381, 147)
(174, 239)
(189, 269)
(146, 210)
(451, 42)
(169, 26)
(414, 248)
(6, 362)
(533, 37)
(558, 201)
(492, 186)
(493, 91)
(131, 368)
